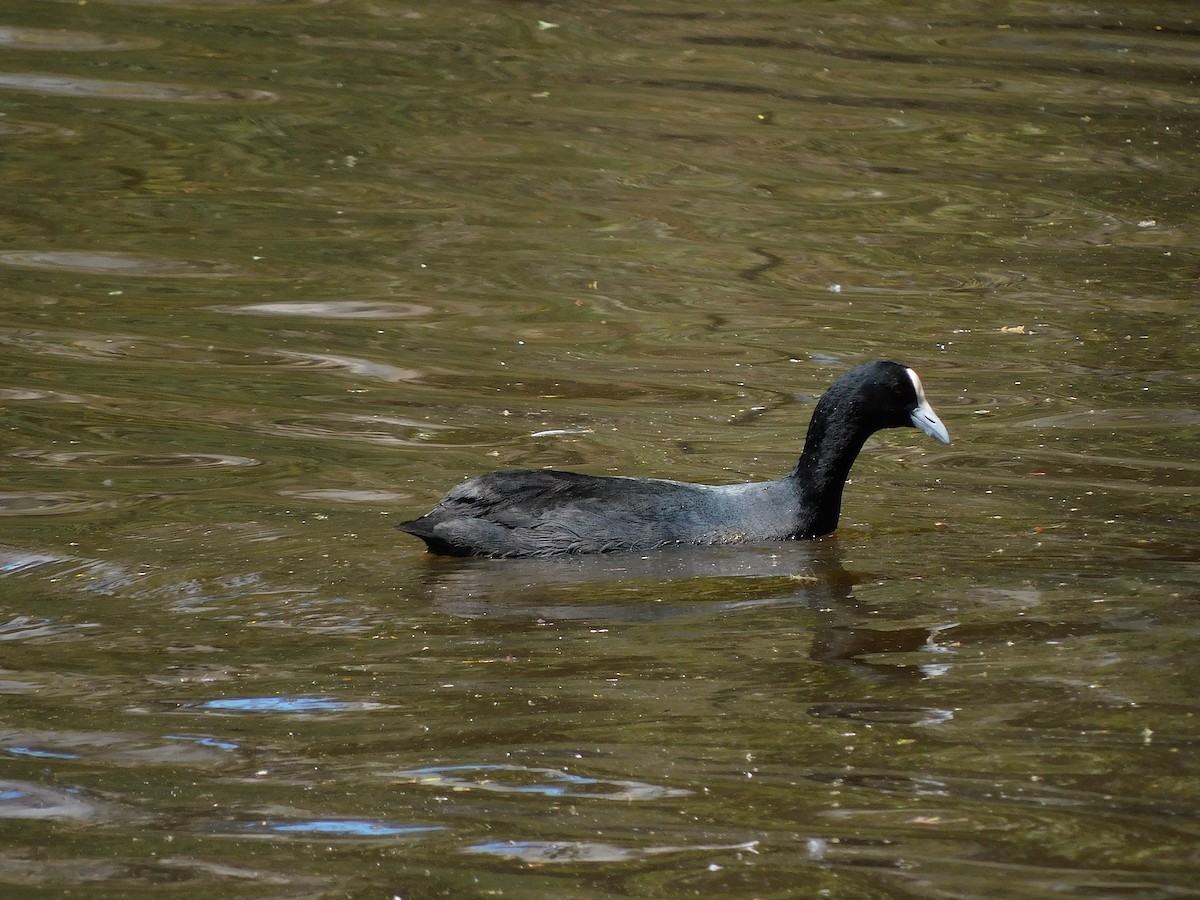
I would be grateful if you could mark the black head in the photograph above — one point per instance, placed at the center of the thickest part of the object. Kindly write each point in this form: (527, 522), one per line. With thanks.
(879, 394)
(882, 394)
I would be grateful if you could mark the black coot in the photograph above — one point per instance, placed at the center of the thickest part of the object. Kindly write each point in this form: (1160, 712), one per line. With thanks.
(543, 512)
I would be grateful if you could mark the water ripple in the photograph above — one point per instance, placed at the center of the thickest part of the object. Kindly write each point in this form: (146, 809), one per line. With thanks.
(66, 86)
(40, 754)
(15, 126)
(36, 394)
(129, 460)
(90, 574)
(30, 504)
(116, 747)
(882, 712)
(204, 741)
(534, 780)
(219, 4)
(382, 430)
(25, 800)
(333, 495)
(67, 41)
(365, 368)
(290, 705)
(109, 263)
(332, 309)
(341, 828)
(89, 346)
(542, 852)
(25, 628)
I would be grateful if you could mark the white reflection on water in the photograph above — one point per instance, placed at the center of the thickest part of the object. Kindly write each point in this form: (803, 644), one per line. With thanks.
(366, 368)
(507, 778)
(542, 852)
(333, 309)
(68, 86)
(26, 800)
(109, 263)
(132, 460)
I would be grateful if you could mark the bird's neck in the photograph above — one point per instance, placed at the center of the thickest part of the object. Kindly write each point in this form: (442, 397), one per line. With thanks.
(829, 453)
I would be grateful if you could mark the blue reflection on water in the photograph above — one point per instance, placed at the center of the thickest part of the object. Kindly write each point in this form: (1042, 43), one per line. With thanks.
(41, 754)
(203, 741)
(353, 828)
(279, 704)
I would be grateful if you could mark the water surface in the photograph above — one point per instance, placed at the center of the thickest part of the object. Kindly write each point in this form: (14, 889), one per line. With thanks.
(278, 274)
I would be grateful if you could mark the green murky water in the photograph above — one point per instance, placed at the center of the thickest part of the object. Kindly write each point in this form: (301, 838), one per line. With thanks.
(275, 275)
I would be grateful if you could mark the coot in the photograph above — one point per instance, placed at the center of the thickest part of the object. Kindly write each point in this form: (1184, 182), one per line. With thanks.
(543, 512)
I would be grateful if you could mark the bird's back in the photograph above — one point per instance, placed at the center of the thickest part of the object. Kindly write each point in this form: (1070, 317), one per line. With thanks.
(521, 512)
